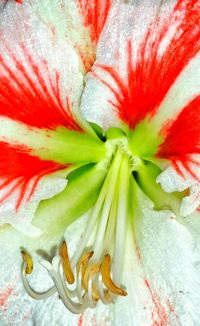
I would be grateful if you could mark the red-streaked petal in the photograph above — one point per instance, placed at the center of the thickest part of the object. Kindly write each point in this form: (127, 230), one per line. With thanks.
(39, 78)
(182, 136)
(155, 53)
(18, 165)
(25, 96)
(21, 219)
(40, 87)
(94, 13)
(79, 22)
(97, 97)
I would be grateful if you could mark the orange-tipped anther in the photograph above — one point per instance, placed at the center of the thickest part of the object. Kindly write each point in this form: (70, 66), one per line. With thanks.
(105, 271)
(28, 261)
(66, 263)
(84, 260)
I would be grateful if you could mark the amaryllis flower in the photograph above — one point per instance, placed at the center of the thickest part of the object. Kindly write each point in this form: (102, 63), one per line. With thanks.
(100, 162)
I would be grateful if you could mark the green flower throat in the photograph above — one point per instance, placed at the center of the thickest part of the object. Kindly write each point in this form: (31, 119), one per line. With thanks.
(107, 172)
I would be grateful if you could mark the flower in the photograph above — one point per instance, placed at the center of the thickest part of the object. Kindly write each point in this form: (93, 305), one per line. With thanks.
(99, 162)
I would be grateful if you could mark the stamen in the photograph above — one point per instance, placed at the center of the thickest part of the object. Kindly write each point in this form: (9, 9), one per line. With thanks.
(90, 277)
(90, 271)
(66, 263)
(86, 278)
(28, 262)
(105, 270)
(63, 292)
(84, 260)
(79, 285)
(27, 269)
(104, 294)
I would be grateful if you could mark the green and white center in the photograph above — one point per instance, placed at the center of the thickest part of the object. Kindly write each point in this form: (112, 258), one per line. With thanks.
(94, 271)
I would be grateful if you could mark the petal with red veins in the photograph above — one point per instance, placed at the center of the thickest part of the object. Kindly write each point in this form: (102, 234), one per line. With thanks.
(40, 89)
(148, 54)
(39, 73)
(21, 219)
(79, 22)
(154, 76)
(94, 14)
(32, 94)
(182, 139)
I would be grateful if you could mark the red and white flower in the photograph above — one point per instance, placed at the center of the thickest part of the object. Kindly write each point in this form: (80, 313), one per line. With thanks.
(100, 143)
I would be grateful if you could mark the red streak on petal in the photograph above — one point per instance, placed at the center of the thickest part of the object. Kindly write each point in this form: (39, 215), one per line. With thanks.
(94, 14)
(4, 296)
(159, 315)
(25, 96)
(17, 164)
(86, 58)
(151, 75)
(17, 1)
(80, 321)
(182, 137)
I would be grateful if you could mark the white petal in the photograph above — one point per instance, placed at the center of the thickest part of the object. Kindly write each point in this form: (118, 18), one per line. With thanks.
(16, 307)
(22, 218)
(172, 181)
(77, 22)
(170, 260)
(192, 223)
(191, 203)
(136, 308)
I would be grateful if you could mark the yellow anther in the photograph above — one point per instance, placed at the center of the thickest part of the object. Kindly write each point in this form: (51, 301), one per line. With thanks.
(83, 261)
(105, 271)
(28, 261)
(66, 263)
(89, 272)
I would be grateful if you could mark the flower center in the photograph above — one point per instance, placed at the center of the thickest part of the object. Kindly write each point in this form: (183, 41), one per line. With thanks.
(94, 272)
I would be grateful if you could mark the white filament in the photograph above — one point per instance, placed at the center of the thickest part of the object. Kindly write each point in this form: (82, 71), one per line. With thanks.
(112, 205)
